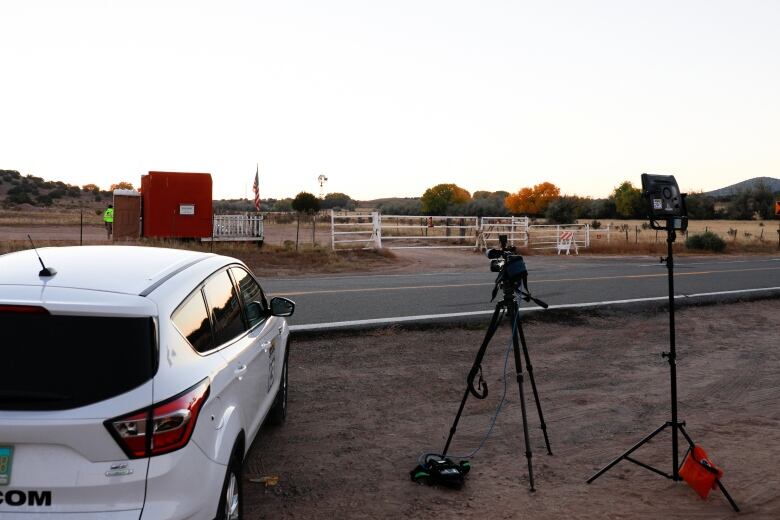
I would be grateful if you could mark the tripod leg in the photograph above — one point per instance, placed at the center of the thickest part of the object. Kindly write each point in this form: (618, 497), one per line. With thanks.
(519, 368)
(627, 453)
(454, 426)
(720, 486)
(495, 320)
(530, 369)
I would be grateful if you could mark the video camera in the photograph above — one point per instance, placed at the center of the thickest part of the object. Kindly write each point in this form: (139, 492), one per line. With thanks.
(506, 262)
(512, 272)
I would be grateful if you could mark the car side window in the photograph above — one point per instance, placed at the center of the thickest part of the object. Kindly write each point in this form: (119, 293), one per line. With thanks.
(225, 309)
(192, 319)
(250, 292)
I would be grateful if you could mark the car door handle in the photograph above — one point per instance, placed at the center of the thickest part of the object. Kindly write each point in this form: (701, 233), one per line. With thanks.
(240, 370)
(265, 345)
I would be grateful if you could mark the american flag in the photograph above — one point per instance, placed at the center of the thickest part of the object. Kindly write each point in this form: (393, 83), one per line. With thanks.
(256, 188)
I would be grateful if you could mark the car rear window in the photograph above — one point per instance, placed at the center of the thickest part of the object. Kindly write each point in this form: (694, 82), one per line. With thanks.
(192, 319)
(59, 362)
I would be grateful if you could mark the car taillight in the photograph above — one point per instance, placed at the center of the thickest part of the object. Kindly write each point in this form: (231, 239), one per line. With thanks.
(161, 428)
(23, 309)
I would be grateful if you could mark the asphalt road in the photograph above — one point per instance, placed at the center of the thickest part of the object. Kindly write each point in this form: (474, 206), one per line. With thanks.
(328, 301)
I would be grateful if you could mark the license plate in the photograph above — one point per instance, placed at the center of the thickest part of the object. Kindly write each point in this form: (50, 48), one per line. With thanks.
(6, 456)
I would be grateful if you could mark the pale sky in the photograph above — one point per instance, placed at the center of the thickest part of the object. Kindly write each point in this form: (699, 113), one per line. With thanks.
(388, 98)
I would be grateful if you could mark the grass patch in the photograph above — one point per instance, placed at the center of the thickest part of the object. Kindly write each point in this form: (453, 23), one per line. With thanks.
(264, 261)
(50, 217)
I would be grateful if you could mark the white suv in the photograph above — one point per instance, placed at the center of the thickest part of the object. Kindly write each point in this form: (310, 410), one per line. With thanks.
(133, 381)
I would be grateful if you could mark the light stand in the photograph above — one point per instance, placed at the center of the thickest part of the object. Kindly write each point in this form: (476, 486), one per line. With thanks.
(672, 223)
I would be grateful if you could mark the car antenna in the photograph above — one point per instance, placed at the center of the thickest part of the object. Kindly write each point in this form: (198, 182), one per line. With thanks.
(46, 271)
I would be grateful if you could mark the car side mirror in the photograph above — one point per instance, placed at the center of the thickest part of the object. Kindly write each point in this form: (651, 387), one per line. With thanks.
(282, 307)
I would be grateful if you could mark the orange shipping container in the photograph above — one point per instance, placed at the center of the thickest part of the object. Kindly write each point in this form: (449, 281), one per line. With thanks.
(176, 205)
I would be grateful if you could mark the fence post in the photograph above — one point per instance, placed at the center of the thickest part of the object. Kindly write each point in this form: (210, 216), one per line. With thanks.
(377, 225)
(512, 230)
(557, 236)
(332, 231)
(587, 235)
(527, 227)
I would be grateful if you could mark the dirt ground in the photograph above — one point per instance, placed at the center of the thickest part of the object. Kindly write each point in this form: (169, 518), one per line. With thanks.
(363, 406)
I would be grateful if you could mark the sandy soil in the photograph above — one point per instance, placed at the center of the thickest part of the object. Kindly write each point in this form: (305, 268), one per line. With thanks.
(363, 406)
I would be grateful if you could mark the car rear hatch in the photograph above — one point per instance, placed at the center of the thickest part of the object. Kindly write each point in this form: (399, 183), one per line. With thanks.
(66, 367)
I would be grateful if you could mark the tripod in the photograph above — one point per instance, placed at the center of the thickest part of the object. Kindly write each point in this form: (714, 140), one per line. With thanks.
(675, 424)
(510, 306)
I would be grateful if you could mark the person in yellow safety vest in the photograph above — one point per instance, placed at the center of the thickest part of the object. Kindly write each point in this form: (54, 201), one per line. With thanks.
(108, 219)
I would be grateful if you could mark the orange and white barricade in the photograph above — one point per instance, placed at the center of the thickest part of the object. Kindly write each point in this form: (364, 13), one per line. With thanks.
(566, 242)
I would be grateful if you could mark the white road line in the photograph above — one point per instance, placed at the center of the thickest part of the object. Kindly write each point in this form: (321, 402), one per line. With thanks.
(423, 317)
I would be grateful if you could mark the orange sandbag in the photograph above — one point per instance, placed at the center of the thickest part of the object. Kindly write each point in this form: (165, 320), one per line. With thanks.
(699, 472)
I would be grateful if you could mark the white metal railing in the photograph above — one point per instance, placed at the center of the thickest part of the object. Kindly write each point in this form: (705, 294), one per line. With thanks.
(515, 228)
(355, 230)
(370, 230)
(549, 236)
(417, 231)
(247, 227)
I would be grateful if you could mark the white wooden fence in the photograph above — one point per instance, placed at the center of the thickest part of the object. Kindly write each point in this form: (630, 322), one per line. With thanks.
(236, 228)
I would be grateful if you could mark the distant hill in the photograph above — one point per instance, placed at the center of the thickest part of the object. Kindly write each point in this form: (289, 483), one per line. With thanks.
(19, 191)
(728, 191)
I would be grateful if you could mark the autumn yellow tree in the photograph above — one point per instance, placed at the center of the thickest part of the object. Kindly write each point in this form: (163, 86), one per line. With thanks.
(91, 187)
(123, 185)
(532, 201)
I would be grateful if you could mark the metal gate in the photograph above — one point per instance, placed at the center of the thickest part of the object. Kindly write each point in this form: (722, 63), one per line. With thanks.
(355, 230)
(411, 232)
(515, 228)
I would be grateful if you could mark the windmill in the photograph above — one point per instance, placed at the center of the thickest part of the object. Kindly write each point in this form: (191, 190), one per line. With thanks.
(322, 179)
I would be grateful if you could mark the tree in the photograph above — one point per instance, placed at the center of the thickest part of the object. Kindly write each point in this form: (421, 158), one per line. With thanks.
(758, 200)
(440, 198)
(407, 206)
(628, 200)
(598, 208)
(123, 185)
(565, 210)
(338, 200)
(700, 206)
(532, 201)
(94, 188)
(305, 202)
